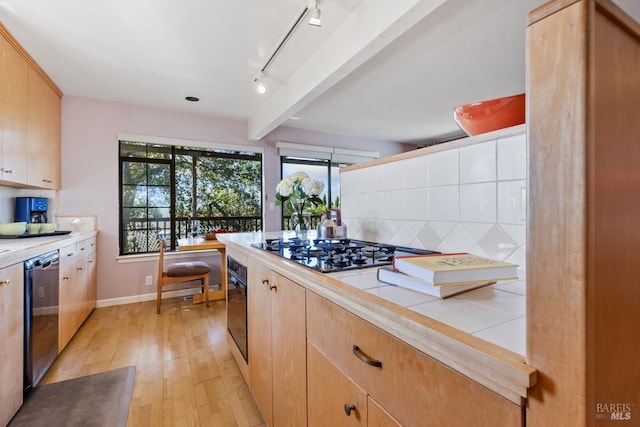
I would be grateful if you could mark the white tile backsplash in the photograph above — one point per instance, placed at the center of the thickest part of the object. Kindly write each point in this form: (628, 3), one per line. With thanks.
(443, 168)
(512, 202)
(512, 157)
(393, 204)
(443, 203)
(393, 174)
(416, 172)
(478, 202)
(416, 204)
(471, 199)
(478, 163)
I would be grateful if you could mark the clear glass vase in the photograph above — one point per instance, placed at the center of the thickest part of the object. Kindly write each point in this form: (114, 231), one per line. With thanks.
(300, 219)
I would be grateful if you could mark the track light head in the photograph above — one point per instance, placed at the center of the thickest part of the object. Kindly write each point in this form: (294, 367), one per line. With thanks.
(315, 14)
(260, 87)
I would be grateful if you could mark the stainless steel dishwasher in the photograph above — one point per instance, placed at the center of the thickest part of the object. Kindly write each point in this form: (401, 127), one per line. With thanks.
(41, 307)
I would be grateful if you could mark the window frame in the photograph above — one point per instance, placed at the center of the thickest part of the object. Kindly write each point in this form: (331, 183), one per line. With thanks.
(178, 147)
(328, 163)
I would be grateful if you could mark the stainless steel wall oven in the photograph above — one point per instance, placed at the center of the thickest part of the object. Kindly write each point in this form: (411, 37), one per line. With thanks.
(237, 304)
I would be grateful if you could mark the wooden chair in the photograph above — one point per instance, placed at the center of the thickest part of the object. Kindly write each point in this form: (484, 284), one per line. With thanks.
(181, 272)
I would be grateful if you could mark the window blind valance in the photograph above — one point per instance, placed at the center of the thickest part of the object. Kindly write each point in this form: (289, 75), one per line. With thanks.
(338, 155)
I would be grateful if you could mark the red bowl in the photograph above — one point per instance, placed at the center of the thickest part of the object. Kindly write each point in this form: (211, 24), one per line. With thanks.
(487, 116)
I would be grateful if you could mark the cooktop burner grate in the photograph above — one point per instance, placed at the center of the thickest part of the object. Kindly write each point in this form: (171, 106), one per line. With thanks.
(328, 256)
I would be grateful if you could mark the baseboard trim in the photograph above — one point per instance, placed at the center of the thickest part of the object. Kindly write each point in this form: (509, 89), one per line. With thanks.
(144, 297)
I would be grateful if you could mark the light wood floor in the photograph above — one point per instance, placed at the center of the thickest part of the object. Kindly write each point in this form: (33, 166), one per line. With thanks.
(185, 374)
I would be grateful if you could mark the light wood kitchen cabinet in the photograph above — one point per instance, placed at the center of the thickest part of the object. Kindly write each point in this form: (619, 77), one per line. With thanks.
(13, 114)
(12, 339)
(43, 133)
(92, 283)
(30, 114)
(378, 417)
(335, 400)
(86, 275)
(412, 387)
(277, 346)
(77, 287)
(70, 296)
(330, 391)
(582, 237)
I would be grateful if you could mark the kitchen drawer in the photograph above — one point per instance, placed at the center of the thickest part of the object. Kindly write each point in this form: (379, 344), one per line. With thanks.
(69, 252)
(414, 388)
(87, 246)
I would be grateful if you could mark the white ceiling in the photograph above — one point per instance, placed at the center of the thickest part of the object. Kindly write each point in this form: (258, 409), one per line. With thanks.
(379, 69)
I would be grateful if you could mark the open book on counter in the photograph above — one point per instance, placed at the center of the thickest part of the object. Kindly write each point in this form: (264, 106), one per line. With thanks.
(393, 277)
(443, 269)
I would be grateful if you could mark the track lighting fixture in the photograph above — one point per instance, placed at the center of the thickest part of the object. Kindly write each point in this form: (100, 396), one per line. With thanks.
(315, 13)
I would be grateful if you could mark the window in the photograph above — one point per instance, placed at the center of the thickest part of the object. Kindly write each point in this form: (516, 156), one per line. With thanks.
(323, 170)
(177, 191)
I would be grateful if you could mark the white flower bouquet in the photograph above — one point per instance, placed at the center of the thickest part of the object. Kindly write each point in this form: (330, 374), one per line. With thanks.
(299, 188)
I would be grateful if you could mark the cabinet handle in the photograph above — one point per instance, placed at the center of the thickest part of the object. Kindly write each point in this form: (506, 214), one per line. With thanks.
(7, 170)
(360, 355)
(71, 254)
(5, 282)
(266, 282)
(348, 408)
(65, 278)
(79, 268)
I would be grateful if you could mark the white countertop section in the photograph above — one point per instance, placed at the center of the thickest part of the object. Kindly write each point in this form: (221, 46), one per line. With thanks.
(13, 251)
(495, 313)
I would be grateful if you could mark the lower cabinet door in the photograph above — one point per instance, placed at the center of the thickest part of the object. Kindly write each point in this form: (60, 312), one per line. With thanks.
(378, 417)
(334, 400)
(11, 340)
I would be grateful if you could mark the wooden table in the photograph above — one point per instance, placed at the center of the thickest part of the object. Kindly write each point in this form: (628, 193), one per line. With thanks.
(198, 243)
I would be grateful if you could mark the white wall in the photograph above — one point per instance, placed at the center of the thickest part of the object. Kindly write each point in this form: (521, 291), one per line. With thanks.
(468, 199)
(90, 170)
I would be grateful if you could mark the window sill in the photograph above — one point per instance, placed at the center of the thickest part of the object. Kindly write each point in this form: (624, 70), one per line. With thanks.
(128, 259)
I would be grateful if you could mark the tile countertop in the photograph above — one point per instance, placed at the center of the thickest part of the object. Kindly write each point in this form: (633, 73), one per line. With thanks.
(495, 313)
(480, 333)
(13, 251)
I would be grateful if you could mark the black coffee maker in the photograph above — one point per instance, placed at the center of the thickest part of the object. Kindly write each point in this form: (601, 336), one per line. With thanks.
(31, 209)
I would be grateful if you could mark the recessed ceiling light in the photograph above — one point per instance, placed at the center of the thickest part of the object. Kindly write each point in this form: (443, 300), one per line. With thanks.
(192, 98)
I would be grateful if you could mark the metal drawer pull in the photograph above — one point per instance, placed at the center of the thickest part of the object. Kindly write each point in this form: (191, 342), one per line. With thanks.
(5, 282)
(266, 282)
(348, 408)
(365, 359)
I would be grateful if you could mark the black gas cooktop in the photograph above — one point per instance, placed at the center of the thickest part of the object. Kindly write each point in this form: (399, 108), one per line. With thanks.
(328, 256)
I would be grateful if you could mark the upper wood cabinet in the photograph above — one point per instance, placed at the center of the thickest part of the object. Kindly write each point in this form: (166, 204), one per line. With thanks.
(13, 114)
(30, 114)
(43, 137)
